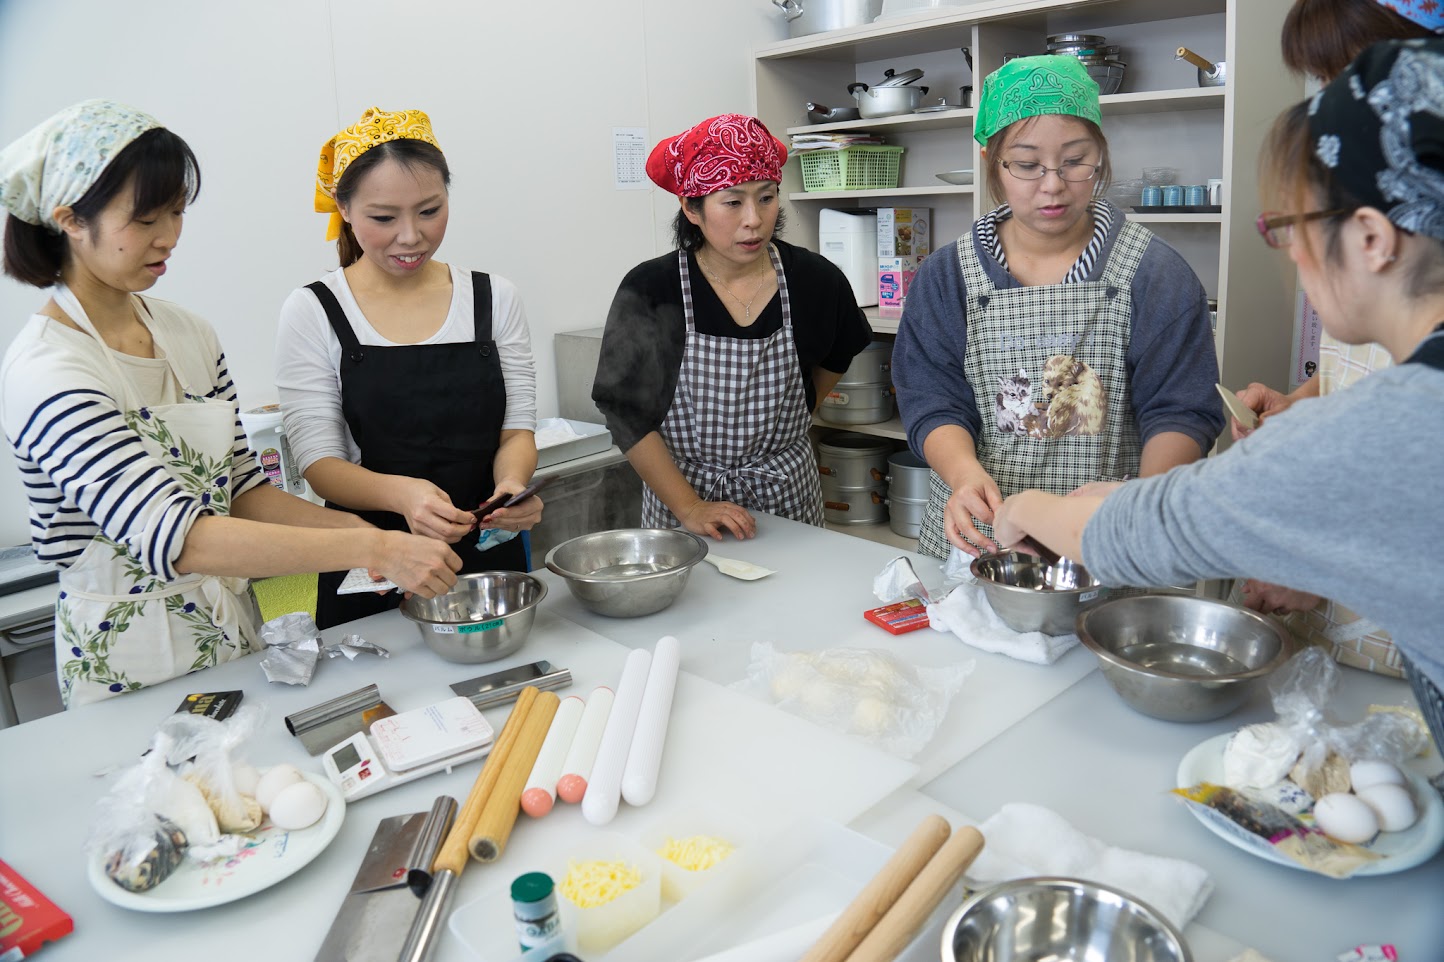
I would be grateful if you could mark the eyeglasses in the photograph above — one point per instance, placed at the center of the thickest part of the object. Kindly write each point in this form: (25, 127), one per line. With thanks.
(1277, 229)
(1073, 173)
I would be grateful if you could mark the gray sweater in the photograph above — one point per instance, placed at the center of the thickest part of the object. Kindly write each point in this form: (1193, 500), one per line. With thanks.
(1339, 496)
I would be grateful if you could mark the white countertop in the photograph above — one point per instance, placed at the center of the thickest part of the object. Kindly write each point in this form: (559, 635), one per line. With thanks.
(1055, 735)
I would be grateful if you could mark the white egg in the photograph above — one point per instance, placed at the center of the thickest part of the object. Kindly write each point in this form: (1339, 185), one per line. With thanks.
(273, 781)
(1345, 817)
(298, 806)
(1392, 804)
(246, 777)
(1373, 771)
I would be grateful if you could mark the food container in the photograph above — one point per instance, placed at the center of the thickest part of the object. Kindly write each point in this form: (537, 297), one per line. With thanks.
(598, 929)
(679, 883)
(1183, 658)
(1031, 595)
(852, 461)
(627, 572)
(867, 505)
(485, 616)
(858, 404)
(1062, 920)
(872, 365)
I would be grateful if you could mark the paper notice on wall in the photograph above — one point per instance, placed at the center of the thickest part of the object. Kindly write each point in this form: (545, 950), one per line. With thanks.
(629, 158)
(1307, 330)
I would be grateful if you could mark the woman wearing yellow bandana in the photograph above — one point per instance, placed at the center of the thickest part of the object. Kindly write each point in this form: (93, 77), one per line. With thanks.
(1055, 344)
(407, 385)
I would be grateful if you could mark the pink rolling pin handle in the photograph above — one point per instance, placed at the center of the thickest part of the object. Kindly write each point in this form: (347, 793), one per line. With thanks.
(577, 769)
(571, 788)
(536, 802)
(539, 795)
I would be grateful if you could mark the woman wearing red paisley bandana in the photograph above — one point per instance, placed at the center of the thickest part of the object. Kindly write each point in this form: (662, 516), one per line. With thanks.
(715, 355)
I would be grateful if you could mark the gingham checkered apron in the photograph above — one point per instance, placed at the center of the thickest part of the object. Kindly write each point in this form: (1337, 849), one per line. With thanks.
(1020, 329)
(737, 427)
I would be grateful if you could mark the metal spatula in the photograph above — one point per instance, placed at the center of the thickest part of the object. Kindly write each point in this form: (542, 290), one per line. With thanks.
(742, 570)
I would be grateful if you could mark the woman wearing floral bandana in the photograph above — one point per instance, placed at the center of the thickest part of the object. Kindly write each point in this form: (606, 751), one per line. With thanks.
(714, 357)
(1357, 174)
(1056, 343)
(123, 421)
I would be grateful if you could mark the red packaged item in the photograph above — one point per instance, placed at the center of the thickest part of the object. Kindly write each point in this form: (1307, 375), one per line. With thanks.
(27, 918)
(899, 618)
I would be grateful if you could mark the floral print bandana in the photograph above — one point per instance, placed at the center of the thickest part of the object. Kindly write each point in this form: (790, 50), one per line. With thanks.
(1428, 14)
(722, 152)
(57, 162)
(1379, 129)
(375, 127)
(1035, 87)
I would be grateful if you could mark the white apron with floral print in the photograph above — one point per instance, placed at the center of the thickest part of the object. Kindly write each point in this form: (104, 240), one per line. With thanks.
(118, 628)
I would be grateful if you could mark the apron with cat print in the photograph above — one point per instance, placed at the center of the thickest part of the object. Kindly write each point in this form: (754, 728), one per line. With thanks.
(119, 628)
(1049, 370)
(737, 427)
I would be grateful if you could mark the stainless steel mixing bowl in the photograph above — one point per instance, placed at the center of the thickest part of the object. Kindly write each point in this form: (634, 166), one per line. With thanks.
(485, 616)
(1030, 595)
(627, 572)
(1061, 920)
(1180, 658)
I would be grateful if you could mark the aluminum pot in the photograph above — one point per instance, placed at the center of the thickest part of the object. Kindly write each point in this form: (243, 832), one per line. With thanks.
(873, 102)
(852, 461)
(858, 404)
(854, 505)
(907, 476)
(905, 516)
(873, 365)
(806, 17)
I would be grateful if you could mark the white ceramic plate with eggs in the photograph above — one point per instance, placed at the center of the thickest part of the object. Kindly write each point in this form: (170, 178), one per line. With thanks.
(271, 855)
(1398, 850)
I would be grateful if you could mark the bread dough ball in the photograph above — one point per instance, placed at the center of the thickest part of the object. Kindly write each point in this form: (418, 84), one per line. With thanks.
(871, 716)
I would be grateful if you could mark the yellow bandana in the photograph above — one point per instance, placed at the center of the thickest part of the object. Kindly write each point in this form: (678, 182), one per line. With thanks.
(376, 126)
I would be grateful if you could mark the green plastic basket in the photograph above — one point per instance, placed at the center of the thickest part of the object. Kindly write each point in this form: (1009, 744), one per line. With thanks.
(851, 168)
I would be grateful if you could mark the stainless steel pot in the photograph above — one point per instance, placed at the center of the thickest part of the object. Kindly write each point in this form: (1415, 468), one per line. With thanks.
(854, 505)
(875, 102)
(907, 476)
(858, 404)
(852, 461)
(816, 16)
(873, 365)
(905, 516)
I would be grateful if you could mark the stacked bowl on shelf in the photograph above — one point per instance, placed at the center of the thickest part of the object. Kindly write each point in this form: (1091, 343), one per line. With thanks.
(1100, 57)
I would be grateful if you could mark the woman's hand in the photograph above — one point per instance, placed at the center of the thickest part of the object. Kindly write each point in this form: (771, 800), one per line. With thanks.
(420, 565)
(976, 496)
(429, 512)
(711, 517)
(1276, 599)
(1095, 489)
(519, 517)
(1261, 400)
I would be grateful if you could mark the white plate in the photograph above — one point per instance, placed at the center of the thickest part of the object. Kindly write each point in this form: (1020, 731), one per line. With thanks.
(273, 855)
(958, 177)
(1400, 850)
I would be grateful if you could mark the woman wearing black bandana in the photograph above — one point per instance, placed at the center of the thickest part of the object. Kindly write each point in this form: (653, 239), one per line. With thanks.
(1357, 173)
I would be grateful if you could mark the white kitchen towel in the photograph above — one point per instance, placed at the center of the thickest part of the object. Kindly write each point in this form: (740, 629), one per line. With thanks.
(1025, 840)
(966, 613)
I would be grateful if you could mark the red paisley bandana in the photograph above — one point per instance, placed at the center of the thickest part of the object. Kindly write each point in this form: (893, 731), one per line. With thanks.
(723, 152)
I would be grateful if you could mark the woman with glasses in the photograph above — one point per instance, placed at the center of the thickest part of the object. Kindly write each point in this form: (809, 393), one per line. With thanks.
(1055, 344)
(1358, 173)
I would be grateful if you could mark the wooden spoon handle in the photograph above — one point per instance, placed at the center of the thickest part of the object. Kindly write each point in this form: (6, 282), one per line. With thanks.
(1184, 53)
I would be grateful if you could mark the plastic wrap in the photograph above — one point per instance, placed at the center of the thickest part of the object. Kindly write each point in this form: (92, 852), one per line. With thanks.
(207, 750)
(869, 693)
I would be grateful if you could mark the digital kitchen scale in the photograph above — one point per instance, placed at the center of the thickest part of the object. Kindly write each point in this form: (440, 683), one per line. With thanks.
(407, 746)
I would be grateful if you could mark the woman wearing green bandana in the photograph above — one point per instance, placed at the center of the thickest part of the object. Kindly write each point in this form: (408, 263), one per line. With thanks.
(1056, 343)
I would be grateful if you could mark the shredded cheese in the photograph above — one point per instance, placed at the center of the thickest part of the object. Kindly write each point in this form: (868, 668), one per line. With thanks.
(696, 853)
(590, 884)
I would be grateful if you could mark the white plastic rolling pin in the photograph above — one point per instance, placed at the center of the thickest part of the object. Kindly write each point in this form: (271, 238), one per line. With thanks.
(604, 788)
(583, 754)
(540, 793)
(639, 778)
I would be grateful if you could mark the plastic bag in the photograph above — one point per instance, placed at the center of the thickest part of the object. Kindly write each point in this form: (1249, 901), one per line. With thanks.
(869, 693)
(208, 751)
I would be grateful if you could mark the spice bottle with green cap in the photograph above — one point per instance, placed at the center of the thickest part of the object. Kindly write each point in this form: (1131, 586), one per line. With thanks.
(534, 906)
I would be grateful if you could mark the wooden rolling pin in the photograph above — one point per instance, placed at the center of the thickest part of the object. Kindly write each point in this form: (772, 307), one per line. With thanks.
(452, 856)
(498, 816)
(897, 928)
(873, 902)
(1183, 53)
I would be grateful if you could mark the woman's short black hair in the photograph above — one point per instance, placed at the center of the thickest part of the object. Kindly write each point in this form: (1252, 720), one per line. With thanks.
(687, 236)
(160, 168)
(409, 153)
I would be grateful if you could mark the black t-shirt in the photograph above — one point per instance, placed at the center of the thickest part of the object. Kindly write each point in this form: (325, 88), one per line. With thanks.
(647, 329)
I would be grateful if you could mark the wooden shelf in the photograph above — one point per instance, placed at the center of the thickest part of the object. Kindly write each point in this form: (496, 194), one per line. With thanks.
(962, 119)
(1176, 218)
(831, 195)
(1158, 101)
(878, 323)
(891, 428)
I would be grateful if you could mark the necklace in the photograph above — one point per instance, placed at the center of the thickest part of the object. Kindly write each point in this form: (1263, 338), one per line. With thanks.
(745, 305)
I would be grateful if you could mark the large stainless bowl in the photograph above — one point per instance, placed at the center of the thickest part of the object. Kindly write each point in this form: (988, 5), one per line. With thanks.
(1180, 658)
(1061, 920)
(628, 572)
(1030, 595)
(485, 616)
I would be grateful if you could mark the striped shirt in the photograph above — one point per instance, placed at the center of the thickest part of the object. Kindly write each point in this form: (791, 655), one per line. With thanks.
(85, 471)
(987, 228)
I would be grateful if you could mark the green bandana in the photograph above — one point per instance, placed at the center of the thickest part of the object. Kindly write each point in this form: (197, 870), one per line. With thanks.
(1035, 87)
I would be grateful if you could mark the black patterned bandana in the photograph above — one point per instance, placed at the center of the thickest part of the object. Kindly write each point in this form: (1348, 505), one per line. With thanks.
(1379, 129)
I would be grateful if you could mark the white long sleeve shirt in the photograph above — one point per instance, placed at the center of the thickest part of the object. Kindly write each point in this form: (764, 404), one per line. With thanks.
(308, 361)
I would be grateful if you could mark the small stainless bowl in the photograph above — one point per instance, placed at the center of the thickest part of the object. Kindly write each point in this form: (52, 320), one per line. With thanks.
(485, 616)
(1181, 658)
(628, 572)
(1031, 595)
(1061, 920)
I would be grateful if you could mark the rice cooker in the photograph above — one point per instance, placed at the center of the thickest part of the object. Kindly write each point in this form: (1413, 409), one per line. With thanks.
(267, 438)
(848, 238)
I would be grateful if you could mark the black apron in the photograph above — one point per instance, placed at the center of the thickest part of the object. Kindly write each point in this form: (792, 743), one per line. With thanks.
(430, 411)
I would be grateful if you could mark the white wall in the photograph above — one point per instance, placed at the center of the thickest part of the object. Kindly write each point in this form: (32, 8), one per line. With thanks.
(522, 95)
